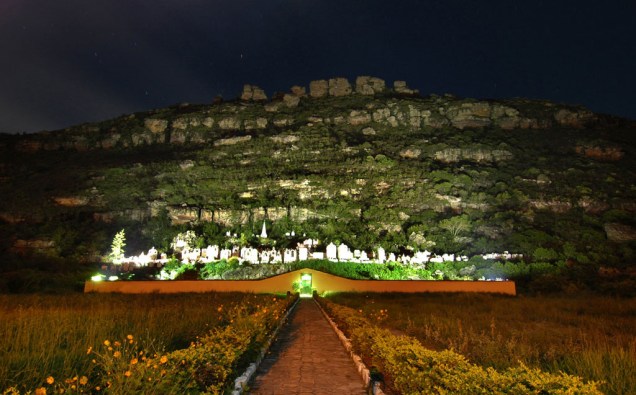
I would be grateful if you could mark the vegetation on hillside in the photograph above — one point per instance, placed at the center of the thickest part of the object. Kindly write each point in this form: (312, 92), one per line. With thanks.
(385, 170)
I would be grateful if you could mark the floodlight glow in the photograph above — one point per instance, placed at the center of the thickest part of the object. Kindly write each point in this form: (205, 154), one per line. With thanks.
(113, 278)
(97, 277)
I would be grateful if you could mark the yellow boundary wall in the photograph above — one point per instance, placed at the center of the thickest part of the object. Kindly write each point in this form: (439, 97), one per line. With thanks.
(282, 283)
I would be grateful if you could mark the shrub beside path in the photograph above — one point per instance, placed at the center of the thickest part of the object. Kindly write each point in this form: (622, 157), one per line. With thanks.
(307, 358)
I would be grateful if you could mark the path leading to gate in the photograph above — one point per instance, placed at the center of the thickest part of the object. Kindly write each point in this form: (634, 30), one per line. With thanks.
(307, 358)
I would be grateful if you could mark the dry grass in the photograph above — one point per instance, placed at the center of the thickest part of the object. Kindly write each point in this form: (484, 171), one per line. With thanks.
(589, 336)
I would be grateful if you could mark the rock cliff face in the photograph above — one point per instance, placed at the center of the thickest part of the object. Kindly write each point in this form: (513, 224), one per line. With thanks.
(202, 125)
(600, 153)
(620, 232)
(367, 162)
(450, 155)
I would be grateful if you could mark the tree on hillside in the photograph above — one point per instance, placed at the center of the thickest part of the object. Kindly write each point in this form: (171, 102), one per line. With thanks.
(117, 247)
(456, 225)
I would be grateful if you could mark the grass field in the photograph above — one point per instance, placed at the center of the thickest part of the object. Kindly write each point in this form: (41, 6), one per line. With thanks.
(49, 335)
(591, 336)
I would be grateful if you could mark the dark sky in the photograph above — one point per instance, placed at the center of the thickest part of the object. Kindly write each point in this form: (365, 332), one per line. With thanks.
(65, 62)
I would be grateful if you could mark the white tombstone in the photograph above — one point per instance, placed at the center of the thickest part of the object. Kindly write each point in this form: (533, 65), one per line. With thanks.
(303, 253)
(266, 256)
(152, 253)
(332, 252)
(215, 251)
(144, 259)
(344, 254)
(356, 253)
(381, 255)
(251, 256)
(391, 257)
(448, 257)
(420, 257)
(289, 255)
(318, 255)
(180, 245)
(225, 253)
(246, 256)
(364, 257)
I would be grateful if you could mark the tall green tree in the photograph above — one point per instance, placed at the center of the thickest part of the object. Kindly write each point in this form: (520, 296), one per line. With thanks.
(117, 247)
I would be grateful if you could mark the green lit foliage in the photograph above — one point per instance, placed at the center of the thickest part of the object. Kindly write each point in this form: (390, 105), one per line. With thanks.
(117, 247)
(544, 255)
(217, 269)
(417, 238)
(456, 226)
(185, 240)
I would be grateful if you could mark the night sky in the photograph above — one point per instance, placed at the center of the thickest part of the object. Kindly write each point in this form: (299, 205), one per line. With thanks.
(65, 62)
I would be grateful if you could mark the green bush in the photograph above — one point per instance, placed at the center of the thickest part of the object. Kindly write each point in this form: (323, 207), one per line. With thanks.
(414, 369)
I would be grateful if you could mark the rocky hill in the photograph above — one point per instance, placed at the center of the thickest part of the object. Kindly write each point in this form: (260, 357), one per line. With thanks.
(358, 163)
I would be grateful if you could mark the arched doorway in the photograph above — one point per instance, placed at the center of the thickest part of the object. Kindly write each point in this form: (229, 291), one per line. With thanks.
(305, 288)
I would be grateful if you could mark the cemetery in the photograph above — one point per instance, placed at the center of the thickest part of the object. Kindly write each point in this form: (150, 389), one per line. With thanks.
(268, 269)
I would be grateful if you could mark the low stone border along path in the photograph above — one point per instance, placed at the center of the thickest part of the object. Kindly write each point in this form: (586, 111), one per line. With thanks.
(307, 358)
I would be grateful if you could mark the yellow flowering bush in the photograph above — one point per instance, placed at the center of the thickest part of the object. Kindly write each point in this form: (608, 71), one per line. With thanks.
(209, 365)
(411, 368)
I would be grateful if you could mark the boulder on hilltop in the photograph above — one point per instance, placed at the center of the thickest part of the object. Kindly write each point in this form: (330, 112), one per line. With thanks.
(253, 93)
(366, 85)
(339, 87)
(401, 87)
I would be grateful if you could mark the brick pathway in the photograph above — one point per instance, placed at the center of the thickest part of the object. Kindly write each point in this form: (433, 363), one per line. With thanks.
(307, 358)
